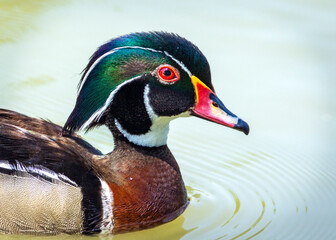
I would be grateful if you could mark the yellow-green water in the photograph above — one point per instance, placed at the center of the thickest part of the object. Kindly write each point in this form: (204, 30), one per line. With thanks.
(273, 64)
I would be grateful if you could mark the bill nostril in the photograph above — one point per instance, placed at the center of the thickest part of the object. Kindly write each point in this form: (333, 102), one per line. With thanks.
(215, 104)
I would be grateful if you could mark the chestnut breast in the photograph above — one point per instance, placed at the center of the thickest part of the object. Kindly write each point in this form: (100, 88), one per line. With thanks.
(147, 187)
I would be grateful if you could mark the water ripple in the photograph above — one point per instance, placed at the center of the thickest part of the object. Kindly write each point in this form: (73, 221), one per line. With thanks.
(245, 193)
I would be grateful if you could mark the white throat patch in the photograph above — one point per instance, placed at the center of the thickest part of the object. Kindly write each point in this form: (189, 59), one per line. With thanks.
(158, 132)
(157, 135)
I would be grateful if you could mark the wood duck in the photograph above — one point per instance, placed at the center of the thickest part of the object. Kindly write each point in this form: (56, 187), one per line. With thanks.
(52, 181)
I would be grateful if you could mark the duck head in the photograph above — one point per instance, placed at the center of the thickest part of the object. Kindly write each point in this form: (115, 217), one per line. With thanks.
(136, 84)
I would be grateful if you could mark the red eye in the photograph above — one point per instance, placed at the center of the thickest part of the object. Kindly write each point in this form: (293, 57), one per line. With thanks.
(168, 74)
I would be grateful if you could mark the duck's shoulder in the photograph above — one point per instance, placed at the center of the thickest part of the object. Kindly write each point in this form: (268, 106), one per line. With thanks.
(33, 141)
(29, 123)
(19, 125)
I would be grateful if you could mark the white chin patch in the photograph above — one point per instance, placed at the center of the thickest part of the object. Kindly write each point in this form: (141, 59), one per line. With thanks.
(158, 132)
(155, 137)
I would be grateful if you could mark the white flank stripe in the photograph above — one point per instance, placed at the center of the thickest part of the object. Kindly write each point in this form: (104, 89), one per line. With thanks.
(39, 170)
(107, 200)
(5, 165)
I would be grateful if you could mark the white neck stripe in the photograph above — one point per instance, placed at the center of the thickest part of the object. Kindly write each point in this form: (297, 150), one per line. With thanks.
(97, 114)
(131, 47)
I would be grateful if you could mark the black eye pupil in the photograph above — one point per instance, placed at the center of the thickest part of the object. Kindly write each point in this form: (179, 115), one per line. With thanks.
(167, 73)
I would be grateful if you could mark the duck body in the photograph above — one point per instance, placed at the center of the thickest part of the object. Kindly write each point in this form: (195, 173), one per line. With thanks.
(53, 184)
(52, 181)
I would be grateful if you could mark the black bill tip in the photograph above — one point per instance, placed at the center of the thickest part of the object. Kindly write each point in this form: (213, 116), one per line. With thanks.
(242, 126)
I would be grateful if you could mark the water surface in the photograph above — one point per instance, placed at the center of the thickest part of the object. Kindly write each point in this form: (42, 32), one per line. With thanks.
(273, 64)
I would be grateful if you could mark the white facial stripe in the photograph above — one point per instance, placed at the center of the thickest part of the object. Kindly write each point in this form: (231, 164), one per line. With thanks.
(149, 108)
(97, 114)
(131, 47)
(94, 65)
(179, 63)
(107, 200)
